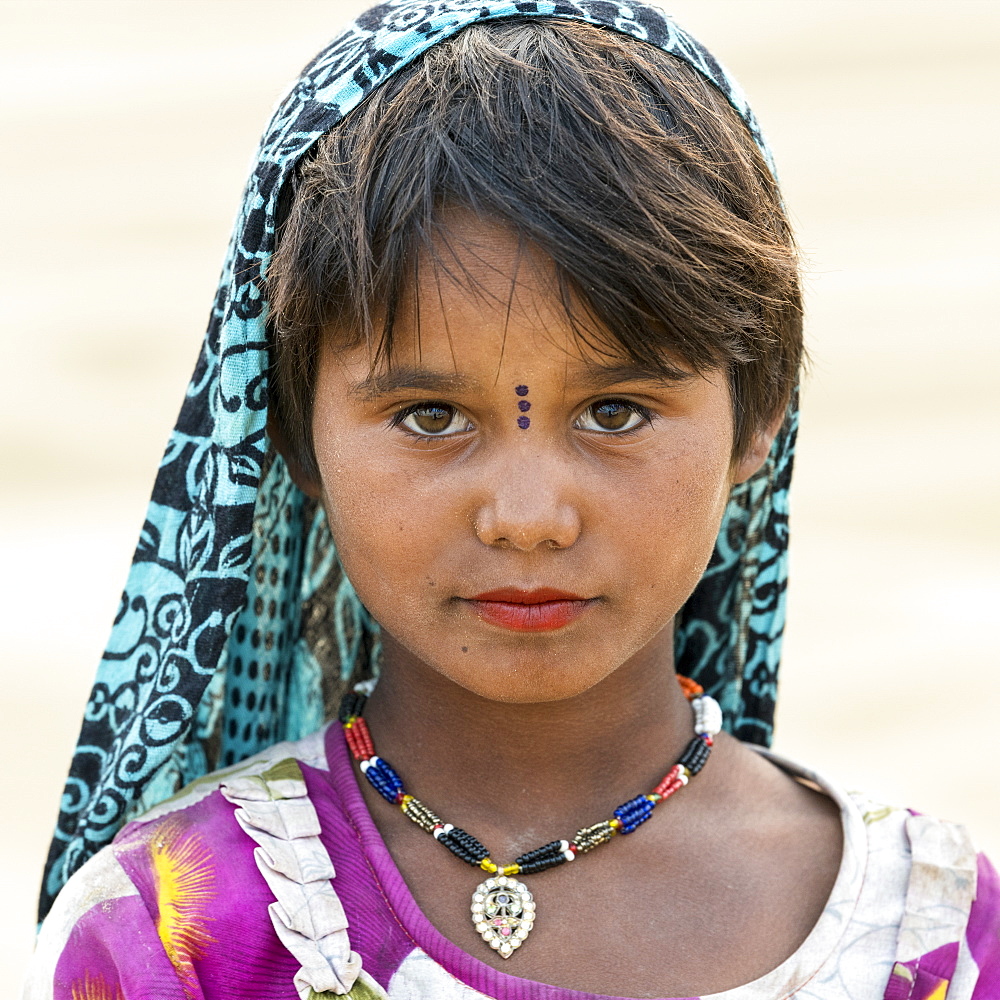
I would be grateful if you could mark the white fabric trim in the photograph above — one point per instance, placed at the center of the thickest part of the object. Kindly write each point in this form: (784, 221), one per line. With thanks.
(274, 810)
(942, 887)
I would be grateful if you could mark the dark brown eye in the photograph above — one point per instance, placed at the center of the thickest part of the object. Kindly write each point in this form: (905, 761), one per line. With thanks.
(434, 419)
(612, 415)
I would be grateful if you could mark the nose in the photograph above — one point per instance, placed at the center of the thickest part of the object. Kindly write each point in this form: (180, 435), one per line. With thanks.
(529, 508)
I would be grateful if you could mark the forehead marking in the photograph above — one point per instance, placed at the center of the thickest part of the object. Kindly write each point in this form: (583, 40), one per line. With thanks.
(523, 405)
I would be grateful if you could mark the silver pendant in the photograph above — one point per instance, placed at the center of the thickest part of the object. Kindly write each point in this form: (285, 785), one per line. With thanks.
(504, 912)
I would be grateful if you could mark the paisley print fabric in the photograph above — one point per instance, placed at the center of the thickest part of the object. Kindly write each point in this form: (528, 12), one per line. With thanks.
(236, 622)
(277, 884)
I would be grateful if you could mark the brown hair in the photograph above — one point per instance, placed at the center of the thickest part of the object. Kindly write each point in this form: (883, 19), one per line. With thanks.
(615, 159)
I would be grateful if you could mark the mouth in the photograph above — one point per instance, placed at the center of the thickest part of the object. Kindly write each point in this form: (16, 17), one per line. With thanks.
(541, 610)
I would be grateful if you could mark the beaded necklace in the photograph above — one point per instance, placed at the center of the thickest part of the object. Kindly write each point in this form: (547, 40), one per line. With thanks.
(503, 910)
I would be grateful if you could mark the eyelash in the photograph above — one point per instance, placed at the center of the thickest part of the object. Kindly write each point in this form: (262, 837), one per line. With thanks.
(400, 416)
(641, 411)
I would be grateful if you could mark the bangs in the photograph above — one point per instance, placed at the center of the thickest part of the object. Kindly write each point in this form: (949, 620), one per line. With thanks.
(614, 160)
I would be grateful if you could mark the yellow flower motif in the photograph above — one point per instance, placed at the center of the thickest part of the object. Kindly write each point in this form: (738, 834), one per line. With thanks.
(182, 868)
(95, 988)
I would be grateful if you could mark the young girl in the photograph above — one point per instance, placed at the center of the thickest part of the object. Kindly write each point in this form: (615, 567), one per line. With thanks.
(496, 408)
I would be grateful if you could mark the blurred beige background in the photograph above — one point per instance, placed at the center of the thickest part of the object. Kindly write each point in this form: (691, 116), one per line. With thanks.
(128, 128)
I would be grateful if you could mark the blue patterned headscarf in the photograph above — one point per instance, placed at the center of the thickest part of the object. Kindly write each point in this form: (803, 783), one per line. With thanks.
(236, 616)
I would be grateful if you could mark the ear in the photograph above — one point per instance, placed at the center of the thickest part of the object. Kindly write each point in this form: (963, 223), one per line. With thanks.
(306, 481)
(760, 446)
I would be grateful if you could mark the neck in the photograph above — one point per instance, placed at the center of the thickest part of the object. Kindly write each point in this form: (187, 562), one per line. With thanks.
(499, 769)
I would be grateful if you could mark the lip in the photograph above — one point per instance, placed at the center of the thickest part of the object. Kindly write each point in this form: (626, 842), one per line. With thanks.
(540, 610)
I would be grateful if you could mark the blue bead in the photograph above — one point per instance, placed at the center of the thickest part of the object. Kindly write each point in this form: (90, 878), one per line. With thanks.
(634, 813)
(389, 773)
(384, 773)
(387, 791)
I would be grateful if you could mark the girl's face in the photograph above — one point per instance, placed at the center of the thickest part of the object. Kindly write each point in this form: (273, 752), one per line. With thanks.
(521, 513)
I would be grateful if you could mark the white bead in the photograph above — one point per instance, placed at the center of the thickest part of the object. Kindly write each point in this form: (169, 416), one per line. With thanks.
(495, 944)
(569, 855)
(707, 715)
(563, 845)
(365, 764)
(447, 828)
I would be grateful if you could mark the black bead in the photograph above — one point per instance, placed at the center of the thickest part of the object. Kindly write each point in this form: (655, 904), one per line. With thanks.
(352, 704)
(695, 754)
(547, 852)
(463, 845)
(531, 867)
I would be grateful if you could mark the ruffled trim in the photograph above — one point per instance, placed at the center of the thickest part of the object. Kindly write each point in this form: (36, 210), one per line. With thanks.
(274, 810)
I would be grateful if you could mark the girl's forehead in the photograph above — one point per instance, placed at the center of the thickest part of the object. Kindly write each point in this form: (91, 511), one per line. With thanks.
(484, 305)
(478, 296)
(477, 258)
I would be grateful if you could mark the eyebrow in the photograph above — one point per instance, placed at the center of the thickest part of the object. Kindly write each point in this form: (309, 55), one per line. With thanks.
(408, 377)
(588, 376)
(597, 377)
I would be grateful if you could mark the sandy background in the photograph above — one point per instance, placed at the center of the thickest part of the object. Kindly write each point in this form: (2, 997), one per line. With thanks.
(127, 131)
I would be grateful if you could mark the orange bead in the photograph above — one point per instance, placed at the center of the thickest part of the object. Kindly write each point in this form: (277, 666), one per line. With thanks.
(690, 688)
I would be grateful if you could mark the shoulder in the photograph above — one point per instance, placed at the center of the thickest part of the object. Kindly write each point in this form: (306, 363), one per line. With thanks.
(181, 896)
(195, 848)
(923, 901)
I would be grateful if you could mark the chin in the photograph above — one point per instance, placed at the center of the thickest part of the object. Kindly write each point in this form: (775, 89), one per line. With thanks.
(528, 681)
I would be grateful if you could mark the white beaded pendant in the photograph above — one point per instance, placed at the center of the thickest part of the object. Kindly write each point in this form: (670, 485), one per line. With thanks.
(504, 912)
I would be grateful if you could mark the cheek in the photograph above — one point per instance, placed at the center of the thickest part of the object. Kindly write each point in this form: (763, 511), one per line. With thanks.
(678, 505)
(384, 535)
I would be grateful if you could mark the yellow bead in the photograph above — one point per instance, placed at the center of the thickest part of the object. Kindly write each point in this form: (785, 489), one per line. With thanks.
(488, 866)
(511, 869)
(615, 824)
(405, 801)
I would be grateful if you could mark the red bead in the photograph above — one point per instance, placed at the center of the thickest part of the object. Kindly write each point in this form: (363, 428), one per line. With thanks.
(357, 750)
(364, 736)
(574, 848)
(671, 777)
